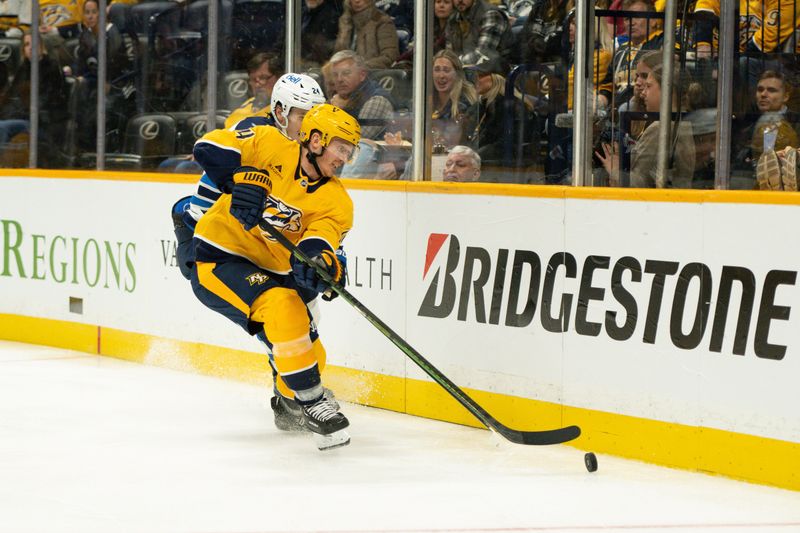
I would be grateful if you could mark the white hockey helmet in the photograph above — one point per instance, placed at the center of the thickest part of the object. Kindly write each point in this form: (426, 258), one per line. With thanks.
(294, 90)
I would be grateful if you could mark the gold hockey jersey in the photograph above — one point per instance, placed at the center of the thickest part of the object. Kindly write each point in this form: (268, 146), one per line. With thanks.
(767, 24)
(248, 109)
(60, 12)
(320, 211)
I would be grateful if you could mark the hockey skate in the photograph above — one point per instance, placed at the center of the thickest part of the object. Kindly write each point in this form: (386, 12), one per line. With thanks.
(327, 424)
(288, 414)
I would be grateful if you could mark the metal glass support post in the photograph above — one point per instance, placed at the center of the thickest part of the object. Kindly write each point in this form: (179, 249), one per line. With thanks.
(665, 110)
(213, 56)
(102, 74)
(294, 20)
(36, 43)
(423, 89)
(727, 42)
(582, 103)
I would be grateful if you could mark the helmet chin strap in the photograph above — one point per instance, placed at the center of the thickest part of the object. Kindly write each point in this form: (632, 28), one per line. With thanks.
(312, 158)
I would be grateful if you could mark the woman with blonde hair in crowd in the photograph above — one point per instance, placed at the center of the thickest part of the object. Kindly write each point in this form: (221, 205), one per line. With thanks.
(644, 156)
(454, 100)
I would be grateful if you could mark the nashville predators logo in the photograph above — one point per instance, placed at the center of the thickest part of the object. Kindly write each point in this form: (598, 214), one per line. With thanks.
(55, 15)
(257, 278)
(282, 216)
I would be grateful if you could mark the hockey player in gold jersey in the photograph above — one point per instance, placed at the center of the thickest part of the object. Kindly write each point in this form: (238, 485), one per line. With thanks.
(248, 277)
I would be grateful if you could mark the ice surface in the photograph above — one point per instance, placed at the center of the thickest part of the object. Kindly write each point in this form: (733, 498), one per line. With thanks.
(92, 444)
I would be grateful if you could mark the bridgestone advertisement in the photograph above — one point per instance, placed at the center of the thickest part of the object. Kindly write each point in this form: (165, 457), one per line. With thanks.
(682, 311)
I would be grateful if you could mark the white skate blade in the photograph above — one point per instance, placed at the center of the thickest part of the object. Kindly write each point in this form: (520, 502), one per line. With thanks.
(334, 440)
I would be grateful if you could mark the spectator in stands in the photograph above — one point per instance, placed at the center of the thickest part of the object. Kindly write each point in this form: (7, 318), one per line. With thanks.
(120, 83)
(772, 94)
(636, 104)
(558, 162)
(644, 34)
(359, 95)
(369, 32)
(15, 105)
(263, 70)
(487, 137)
(518, 11)
(400, 11)
(644, 157)
(601, 61)
(775, 120)
(320, 25)
(454, 99)
(541, 36)
(442, 9)
(463, 164)
(478, 29)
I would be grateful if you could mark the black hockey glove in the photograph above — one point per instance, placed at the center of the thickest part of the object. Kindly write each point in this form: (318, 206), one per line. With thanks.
(249, 195)
(306, 276)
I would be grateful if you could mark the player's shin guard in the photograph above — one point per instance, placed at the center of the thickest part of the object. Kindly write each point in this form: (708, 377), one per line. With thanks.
(296, 358)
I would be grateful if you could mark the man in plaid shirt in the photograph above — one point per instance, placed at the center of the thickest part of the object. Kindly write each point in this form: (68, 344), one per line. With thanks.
(477, 29)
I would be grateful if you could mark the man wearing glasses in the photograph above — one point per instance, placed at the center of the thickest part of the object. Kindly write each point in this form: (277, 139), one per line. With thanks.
(263, 70)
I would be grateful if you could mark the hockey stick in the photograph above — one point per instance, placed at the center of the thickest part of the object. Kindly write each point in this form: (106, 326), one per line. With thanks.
(552, 436)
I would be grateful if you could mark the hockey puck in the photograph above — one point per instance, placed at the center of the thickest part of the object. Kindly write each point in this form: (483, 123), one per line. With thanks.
(590, 460)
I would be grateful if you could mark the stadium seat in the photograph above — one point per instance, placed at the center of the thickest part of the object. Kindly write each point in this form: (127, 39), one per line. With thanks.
(118, 14)
(233, 89)
(191, 127)
(141, 17)
(11, 54)
(149, 139)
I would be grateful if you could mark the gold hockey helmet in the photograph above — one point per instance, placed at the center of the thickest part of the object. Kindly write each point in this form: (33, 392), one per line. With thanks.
(330, 121)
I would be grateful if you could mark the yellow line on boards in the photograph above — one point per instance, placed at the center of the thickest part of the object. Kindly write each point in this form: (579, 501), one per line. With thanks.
(482, 189)
(107, 175)
(746, 457)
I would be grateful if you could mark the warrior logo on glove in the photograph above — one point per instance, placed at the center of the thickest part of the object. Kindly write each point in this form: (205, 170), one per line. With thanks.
(261, 176)
(282, 216)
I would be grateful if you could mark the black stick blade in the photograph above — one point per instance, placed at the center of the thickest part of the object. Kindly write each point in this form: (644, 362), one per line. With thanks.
(540, 438)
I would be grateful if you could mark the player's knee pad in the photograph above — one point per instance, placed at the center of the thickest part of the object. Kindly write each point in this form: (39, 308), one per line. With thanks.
(283, 314)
